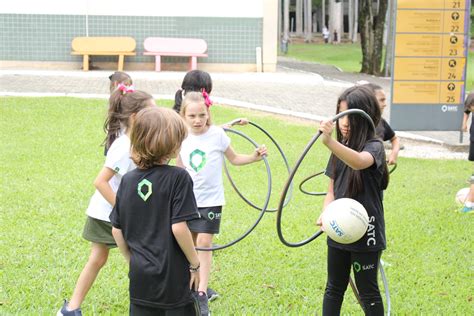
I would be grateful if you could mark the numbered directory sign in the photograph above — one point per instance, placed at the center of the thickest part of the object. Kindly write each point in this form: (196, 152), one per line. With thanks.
(429, 67)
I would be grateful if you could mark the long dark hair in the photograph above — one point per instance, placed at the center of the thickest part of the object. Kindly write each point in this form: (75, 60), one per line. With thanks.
(195, 80)
(361, 131)
(121, 107)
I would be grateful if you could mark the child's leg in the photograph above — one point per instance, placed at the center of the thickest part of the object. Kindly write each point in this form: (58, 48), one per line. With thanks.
(339, 268)
(365, 267)
(97, 259)
(204, 240)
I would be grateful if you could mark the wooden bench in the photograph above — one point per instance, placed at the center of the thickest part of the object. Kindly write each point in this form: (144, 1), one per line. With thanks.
(165, 46)
(106, 46)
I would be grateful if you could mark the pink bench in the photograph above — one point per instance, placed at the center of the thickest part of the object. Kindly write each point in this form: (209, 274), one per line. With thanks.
(165, 46)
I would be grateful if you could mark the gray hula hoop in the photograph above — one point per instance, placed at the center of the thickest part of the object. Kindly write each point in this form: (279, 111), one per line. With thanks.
(292, 175)
(265, 204)
(284, 159)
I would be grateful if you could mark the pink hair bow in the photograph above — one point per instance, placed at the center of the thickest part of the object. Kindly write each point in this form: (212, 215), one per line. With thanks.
(207, 100)
(125, 89)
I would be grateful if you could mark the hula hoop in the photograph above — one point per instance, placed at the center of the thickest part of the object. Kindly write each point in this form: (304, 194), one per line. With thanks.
(309, 178)
(393, 168)
(292, 175)
(265, 204)
(385, 285)
(282, 155)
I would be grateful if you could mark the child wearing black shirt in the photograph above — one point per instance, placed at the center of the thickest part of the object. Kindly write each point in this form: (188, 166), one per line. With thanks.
(357, 170)
(153, 204)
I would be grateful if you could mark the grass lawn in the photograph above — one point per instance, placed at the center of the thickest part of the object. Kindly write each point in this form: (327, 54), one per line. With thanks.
(50, 155)
(348, 57)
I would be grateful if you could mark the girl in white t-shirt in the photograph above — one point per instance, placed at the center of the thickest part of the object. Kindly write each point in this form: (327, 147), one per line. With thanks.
(124, 104)
(202, 154)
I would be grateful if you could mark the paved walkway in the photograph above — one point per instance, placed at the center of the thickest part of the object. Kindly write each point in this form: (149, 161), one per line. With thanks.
(300, 89)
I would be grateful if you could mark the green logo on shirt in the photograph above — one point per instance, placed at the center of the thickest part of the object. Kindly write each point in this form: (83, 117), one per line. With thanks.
(356, 266)
(197, 160)
(144, 189)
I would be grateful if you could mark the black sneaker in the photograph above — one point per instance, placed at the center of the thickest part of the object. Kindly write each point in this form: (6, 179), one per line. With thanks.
(203, 303)
(65, 312)
(211, 294)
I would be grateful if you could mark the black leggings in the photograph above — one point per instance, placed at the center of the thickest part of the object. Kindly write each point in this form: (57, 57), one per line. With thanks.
(365, 267)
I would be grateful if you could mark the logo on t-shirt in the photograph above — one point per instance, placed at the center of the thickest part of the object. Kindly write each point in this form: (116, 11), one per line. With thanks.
(197, 160)
(144, 189)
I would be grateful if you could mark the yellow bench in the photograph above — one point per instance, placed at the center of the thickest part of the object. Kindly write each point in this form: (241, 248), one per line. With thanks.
(105, 46)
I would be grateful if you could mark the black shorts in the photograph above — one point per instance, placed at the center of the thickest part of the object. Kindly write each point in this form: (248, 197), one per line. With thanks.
(471, 152)
(209, 222)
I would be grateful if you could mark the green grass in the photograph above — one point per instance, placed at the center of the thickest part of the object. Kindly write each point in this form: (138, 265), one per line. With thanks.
(50, 155)
(348, 57)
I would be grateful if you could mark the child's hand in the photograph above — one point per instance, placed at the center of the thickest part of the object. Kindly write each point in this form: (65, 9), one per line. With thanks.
(194, 280)
(464, 127)
(319, 222)
(392, 160)
(238, 121)
(260, 152)
(326, 128)
(241, 121)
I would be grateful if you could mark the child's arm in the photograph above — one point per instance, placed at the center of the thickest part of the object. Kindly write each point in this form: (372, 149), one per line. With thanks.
(464, 121)
(327, 199)
(185, 240)
(118, 236)
(102, 184)
(239, 121)
(239, 159)
(355, 160)
(392, 159)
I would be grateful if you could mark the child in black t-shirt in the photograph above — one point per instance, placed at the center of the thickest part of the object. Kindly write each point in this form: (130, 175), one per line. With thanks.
(383, 129)
(357, 170)
(153, 204)
(468, 109)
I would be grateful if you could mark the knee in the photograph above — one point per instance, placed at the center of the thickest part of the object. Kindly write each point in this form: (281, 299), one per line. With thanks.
(204, 241)
(334, 291)
(97, 261)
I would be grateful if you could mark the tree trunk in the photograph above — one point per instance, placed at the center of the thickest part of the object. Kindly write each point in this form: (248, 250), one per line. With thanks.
(387, 71)
(371, 36)
(356, 20)
(308, 32)
(286, 20)
(299, 17)
(323, 18)
(350, 15)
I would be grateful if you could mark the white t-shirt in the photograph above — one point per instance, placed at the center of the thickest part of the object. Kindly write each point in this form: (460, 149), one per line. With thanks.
(118, 159)
(203, 156)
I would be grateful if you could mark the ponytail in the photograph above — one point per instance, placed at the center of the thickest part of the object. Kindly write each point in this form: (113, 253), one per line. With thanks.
(121, 107)
(178, 99)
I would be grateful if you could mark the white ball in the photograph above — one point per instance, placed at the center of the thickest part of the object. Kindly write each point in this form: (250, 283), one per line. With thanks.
(345, 220)
(461, 196)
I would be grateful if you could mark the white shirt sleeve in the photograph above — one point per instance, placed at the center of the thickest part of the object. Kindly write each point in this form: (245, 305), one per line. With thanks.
(118, 156)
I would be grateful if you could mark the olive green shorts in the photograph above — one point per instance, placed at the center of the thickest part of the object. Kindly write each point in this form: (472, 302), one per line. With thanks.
(99, 232)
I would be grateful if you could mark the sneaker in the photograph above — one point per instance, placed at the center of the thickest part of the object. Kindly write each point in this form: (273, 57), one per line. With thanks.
(211, 294)
(65, 312)
(203, 303)
(467, 210)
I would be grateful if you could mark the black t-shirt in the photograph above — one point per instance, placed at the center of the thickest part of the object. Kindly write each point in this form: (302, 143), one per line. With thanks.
(384, 131)
(370, 197)
(467, 109)
(148, 203)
